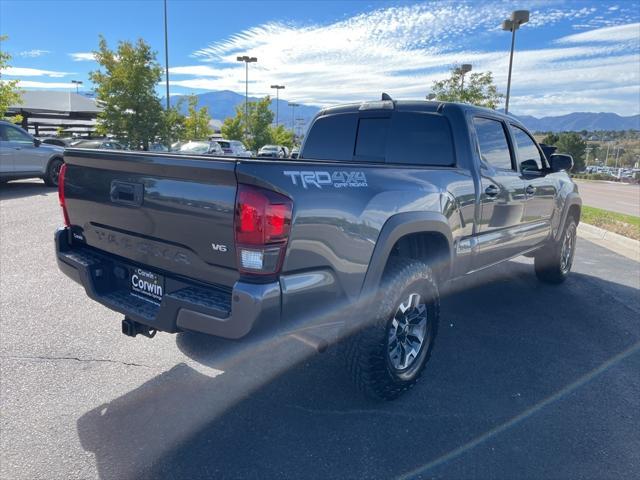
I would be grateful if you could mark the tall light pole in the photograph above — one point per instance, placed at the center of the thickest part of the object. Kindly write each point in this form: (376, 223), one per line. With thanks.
(77, 84)
(278, 88)
(464, 68)
(518, 17)
(247, 60)
(293, 109)
(166, 54)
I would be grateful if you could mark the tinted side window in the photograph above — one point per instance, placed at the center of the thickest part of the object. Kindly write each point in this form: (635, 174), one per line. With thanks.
(494, 148)
(14, 135)
(331, 138)
(420, 138)
(528, 153)
(371, 143)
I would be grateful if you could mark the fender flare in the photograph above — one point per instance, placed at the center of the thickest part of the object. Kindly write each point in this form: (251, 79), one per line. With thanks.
(396, 227)
(572, 199)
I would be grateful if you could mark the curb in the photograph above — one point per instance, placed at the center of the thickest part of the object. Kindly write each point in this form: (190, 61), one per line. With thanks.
(619, 244)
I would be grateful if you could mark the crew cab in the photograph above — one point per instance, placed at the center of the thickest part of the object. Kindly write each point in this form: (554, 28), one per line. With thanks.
(387, 202)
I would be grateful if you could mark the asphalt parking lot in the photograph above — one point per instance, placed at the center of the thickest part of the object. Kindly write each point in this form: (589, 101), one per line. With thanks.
(526, 381)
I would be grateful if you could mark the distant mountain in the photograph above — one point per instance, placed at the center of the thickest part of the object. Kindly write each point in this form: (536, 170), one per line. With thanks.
(578, 121)
(223, 104)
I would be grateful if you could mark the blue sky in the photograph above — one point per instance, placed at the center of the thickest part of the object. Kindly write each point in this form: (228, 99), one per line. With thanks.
(571, 56)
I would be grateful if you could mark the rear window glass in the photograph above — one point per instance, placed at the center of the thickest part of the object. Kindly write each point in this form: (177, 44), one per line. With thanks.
(421, 139)
(332, 138)
(405, 137)
(372, 139)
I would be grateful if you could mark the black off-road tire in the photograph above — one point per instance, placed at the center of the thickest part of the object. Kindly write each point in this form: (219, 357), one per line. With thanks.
(367, 351)
(53, 170)
(550, 264)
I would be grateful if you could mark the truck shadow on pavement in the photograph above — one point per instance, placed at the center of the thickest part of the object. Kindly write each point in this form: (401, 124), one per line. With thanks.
(506, 345)
(30, 188)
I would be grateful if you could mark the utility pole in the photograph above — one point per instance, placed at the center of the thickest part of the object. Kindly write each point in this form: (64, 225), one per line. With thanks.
(464, 68)
(518, 17)
(77, 83)
(166, 54)
(247, 60)
(278, 88)
(293, 109)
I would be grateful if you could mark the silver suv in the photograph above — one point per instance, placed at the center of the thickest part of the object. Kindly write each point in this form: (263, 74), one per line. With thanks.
(23, 156)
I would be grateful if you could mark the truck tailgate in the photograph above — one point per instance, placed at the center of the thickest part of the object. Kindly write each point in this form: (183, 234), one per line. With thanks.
(166, 212)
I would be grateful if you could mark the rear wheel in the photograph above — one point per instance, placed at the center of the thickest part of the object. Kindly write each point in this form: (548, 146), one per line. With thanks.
(387, 356)
(53, 172)
(554, 262)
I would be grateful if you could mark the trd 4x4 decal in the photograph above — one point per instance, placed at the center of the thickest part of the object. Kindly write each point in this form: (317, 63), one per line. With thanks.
(337, 179)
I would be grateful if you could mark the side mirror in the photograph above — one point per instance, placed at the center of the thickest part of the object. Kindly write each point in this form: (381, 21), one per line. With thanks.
(560, 161)
(36, 142)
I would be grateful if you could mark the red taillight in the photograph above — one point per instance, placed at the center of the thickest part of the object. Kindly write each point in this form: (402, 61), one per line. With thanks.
(263, 220)
(61, 199)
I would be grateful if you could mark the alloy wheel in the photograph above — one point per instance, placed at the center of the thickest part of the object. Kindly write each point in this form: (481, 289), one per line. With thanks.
(407, 332)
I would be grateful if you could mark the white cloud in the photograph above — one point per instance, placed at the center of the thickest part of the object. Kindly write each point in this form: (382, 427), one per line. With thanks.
(45, 85)
(402, 50)
(33, 53)
(82, 56)
(619, 33)
(32, 72)
(200, 70)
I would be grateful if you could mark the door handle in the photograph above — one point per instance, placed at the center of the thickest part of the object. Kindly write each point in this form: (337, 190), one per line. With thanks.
(17, 148)
(530, 190)
(491, 191)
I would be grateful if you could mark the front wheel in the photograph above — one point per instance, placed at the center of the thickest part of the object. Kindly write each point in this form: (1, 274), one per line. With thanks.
(388, 355)
(53, 172)
(554, 262)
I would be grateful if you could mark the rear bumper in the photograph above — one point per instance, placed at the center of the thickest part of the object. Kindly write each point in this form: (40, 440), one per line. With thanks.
(185, 305)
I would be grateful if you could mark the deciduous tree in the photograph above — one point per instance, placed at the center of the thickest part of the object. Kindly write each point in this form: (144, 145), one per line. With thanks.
(196, 123)
(126, 89)
(478, 89)
(9, 92)
(282, 136)
(572, 144)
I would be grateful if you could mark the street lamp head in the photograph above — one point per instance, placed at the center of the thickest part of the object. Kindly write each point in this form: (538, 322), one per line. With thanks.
(507, 25)
(277, 87)
(465, 67)
(252, 59)
(520, 17)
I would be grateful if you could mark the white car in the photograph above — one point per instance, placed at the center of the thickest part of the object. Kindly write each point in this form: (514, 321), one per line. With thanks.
(201, 148)
(234, 148)
(23, 156)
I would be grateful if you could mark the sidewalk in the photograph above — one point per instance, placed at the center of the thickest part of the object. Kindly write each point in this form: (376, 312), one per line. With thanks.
(619, 244)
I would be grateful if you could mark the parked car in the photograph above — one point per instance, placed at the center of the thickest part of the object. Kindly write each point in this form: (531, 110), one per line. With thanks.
(60, 142)
(200, 148)
(272, 151)
(158, 147)
(100, 144)
(295, 152)
(234, 148)
(24, 156)
(387, 203)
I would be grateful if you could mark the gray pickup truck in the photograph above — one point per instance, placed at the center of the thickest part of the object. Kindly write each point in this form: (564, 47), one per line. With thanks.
(388, 201)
